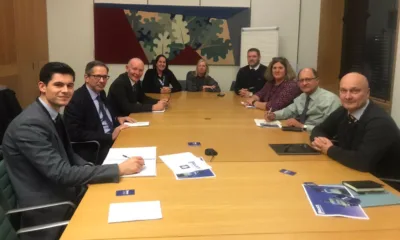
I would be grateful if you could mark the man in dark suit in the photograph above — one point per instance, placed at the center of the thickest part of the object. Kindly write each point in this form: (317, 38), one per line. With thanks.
(250, 79)
(40, 162)
(126, 95)
(367, 138)
(88, 116)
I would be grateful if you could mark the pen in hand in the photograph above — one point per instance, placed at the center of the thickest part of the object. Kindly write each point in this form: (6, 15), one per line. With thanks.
(125, 156)
(269, 111)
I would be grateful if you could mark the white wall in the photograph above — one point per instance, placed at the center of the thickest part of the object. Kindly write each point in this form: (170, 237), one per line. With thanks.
(71, 33)
(71, 36)
(309, 33)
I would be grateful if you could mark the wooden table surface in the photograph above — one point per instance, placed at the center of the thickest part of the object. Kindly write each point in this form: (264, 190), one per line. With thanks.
(249, 198)
(221, 123)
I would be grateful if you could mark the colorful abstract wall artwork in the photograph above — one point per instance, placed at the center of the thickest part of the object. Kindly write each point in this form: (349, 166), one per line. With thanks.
(182, 34)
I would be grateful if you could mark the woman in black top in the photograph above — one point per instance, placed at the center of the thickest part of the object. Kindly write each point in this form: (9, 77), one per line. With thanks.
(160, 79)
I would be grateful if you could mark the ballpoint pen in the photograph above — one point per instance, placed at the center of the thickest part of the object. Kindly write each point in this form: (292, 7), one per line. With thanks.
(125, 156)
(269, 111)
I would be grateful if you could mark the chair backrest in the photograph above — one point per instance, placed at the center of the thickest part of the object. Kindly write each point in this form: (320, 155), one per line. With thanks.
(8, 199)
(232, 86)
(183, 84)
(7, 232)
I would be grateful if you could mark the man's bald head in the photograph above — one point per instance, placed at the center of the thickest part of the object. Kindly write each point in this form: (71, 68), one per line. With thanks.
(354, 91)
(135, 68)
(134, 61)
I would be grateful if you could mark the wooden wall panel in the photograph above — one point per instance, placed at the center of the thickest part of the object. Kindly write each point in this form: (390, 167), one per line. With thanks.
(8, 56)
(7, 33)
(330, 43)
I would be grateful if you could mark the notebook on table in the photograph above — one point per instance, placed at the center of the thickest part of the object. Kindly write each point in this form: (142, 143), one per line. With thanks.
(294, 149)
(364, 186)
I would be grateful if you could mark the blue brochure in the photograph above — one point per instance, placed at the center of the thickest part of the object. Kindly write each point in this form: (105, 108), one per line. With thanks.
(333, 201)
(208, 173)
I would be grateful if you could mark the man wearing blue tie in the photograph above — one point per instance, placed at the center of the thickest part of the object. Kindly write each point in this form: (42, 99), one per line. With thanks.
(88, 116)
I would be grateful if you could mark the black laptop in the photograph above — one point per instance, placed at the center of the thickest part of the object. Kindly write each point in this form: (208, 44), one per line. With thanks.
(294, 149)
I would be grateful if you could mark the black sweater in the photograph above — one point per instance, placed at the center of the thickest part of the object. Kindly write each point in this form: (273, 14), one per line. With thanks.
(125, 101)
(251, 80)
(151, 82)
(372, 144)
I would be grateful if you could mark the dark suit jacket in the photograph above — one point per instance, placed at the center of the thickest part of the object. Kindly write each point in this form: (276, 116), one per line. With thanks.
(370, 145)
(41, 169)
(83, 123)
(125, 101)
(151, 84)
(9, 109)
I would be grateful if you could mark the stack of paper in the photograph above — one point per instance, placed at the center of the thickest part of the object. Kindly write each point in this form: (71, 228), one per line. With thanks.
(134, 211)
(137, 124)
(207, 173)
(184, 163)
(149, 154)
(187, 166)
(263, 123)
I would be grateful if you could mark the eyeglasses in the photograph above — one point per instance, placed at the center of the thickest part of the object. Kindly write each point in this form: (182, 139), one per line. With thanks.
(99, 77)
(306, 80)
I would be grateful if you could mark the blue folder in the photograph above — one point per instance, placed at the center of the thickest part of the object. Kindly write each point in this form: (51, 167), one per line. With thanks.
(376, 199)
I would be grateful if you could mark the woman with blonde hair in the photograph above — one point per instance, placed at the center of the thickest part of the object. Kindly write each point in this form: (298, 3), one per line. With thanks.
(280, 88)
(200, 80)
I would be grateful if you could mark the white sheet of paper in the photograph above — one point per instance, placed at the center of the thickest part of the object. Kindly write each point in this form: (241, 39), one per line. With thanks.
(247, 106)
(184, 163)
(160, 111)
(137, 124)
(134, 211)
(149, 154)
(263, 121)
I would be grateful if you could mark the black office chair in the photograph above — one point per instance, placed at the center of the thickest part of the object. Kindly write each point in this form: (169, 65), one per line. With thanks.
(183, 84)
(8, 204)
(394, 183)
(232, 86)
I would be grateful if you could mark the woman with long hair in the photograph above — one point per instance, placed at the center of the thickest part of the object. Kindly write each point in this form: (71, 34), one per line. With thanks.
(280, 88)
(200, 80)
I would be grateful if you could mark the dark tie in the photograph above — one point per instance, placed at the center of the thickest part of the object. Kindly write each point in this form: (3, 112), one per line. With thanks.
(303, 115)
(104, 112)
(351, 119)
(134, 88)
(61, 131)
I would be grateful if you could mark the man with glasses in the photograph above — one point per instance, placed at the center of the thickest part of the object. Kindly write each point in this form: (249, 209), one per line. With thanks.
(42, 166)
(366, 137)
(89, 117)
(312, 107)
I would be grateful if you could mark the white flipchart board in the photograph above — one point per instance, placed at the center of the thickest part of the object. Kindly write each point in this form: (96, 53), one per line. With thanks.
(266, 39)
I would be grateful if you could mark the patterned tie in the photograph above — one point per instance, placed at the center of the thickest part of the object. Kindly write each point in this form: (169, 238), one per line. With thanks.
(303, 115)
(351, 119)
(104, 112)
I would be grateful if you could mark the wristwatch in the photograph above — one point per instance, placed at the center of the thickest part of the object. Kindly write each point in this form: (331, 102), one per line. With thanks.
(304, 127)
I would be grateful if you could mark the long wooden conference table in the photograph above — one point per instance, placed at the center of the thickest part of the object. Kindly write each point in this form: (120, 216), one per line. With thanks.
(248, 199)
